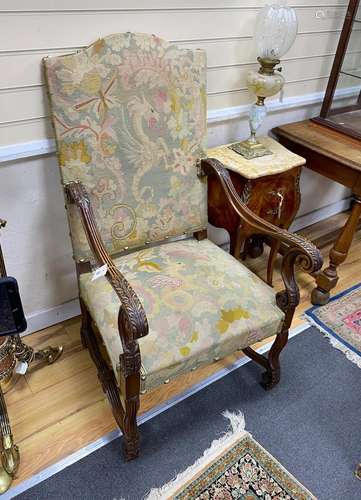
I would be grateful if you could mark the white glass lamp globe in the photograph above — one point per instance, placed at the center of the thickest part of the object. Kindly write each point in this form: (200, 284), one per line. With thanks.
(276, 30)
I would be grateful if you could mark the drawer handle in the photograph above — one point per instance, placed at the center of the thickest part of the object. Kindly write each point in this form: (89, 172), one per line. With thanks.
(276, 211)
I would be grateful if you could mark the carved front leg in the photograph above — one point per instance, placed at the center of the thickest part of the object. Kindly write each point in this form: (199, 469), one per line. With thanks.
(130, 365)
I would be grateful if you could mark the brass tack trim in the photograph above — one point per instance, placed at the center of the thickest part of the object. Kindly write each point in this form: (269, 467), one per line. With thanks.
(143, 391)
(166, 381)
(217, 358)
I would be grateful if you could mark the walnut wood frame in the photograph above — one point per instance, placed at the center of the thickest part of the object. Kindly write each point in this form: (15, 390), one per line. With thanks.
(132, 319)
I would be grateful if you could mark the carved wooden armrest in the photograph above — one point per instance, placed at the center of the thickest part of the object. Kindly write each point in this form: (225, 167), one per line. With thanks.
(132, 319)
(306, 254)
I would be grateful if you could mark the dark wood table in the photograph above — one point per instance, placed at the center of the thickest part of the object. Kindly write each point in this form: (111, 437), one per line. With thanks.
(337, 157)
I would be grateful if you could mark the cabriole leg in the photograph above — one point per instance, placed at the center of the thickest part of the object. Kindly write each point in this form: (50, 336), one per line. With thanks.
(271, 363)
(273, 374)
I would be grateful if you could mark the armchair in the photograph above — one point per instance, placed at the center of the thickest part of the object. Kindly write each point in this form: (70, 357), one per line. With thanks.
(129, 114)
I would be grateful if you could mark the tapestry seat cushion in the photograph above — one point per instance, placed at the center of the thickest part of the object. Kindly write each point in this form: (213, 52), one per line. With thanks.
(201, 304)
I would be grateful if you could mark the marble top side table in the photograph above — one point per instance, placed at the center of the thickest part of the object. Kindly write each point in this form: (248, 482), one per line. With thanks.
(269, 186)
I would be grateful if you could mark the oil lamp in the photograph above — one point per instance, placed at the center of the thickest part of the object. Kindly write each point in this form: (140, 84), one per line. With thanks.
(276, 30)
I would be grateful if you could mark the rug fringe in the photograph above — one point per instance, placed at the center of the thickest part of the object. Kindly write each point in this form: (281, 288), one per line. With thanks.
(350, 355)
(237, 430)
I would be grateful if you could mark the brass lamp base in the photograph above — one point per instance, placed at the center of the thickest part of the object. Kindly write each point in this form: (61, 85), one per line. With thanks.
(50, 354)
(13, 349)
(10, 460)
(250, 149)
(9, 452)
(26, 354)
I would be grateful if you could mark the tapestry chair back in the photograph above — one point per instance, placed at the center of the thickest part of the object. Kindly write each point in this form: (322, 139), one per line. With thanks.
(129, 114)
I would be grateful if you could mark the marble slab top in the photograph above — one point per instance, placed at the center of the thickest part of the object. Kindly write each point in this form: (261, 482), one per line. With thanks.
(280, 161)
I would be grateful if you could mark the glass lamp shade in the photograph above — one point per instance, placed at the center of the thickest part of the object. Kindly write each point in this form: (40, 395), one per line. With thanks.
(276, 30)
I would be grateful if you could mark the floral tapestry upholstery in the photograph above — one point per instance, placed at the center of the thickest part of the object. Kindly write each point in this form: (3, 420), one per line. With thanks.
(200, 302)
(129, 114)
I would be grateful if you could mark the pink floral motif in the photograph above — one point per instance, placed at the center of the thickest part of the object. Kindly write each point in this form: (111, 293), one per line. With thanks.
(141, 67)
(354, 321)
(152, 122)
(162, 281)
(160, 99)
(184, 324)
(222, 494)
(248, 472)
(184, 254)
(234, 481)
(269, 486)
(184, 161)
(104, 190)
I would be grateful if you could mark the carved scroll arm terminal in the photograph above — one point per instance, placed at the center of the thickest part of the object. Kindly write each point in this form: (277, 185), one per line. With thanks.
(132, 319)
(300, 251)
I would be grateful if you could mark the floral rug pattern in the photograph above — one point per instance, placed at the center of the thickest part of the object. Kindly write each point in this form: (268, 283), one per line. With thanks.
(245, 472)
(340, 321)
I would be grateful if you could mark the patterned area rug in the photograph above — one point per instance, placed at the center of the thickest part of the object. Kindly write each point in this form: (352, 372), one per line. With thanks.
(234, 467)
(340, 321)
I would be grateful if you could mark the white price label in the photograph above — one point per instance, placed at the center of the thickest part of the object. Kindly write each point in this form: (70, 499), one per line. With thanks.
(21, 367)
(101, 271)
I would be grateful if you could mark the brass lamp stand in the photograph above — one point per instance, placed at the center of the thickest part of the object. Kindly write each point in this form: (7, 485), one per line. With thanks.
(13, 349)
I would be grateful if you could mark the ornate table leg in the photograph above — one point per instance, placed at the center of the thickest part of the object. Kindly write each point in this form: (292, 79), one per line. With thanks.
(327, 279)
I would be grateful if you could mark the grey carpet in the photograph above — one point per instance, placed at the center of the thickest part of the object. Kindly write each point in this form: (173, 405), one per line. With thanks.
(310, 422)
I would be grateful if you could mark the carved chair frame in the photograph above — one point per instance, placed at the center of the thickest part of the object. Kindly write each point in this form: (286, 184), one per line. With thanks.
(132, 320)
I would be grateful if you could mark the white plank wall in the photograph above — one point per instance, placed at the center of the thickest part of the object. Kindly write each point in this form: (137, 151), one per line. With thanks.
(35, 243)
(223, 29)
